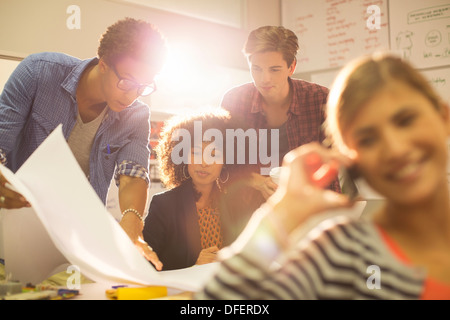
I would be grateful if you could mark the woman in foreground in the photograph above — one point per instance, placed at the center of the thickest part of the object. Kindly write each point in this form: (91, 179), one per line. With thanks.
(385, 120)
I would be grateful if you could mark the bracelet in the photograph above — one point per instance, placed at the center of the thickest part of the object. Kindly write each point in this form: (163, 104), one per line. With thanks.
(135, 212)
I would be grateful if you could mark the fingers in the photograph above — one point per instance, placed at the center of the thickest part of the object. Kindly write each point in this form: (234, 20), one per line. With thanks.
(213, 250)
(10, 199)
(3, 180)
(315, 164)
(134, 233)
(270, 184)
(316, 154)
(267, 187)
(334, 200)
(149, 254)
(306, 171)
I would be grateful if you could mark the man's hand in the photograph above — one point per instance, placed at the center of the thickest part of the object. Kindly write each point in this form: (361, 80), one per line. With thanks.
(10, 199)
(133, 227)
(132, 196)
(263, 184)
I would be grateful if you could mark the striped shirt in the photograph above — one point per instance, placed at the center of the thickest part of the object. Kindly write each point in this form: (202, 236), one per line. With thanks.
(305, 116)
(340, 259)
(41, 94)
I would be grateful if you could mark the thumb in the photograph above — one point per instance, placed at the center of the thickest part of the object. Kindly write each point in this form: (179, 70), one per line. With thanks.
(333, 200)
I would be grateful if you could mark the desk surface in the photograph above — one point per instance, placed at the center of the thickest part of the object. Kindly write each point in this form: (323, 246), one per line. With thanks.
(97, 291)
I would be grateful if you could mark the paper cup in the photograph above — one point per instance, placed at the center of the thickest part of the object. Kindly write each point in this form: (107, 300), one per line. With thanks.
(275, 174)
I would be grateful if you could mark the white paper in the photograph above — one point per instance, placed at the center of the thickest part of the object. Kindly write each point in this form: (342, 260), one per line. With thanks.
(80, 226)
(26, 237)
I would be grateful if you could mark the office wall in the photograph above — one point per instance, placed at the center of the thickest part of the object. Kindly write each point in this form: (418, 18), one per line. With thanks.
(32, 26)
(28, 26)
(333, 32)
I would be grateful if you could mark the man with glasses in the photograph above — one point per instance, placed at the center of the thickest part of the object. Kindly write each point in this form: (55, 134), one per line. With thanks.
(96, 100)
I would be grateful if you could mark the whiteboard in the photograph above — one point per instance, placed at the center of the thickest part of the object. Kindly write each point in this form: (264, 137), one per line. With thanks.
(324, 78)
(439, 78)
(421, 31)
(333, 32)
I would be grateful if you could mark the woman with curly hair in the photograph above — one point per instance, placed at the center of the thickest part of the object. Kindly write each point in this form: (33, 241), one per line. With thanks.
(208, 202)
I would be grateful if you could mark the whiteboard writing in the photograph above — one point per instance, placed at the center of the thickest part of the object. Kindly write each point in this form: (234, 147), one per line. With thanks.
(421, 31)
(333, 32)
(440, 80)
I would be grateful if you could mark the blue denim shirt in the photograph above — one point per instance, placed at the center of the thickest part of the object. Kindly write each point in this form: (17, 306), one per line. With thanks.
(41, 94)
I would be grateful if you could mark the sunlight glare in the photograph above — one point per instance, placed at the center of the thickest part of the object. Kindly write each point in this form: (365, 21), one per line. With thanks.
(191, 80)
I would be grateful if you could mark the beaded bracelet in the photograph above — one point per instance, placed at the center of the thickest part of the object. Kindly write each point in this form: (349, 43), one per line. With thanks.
(135, 212)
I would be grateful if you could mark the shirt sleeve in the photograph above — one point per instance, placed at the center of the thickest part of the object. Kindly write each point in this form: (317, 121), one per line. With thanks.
(15, 103)
(2, 157)
(129, 168)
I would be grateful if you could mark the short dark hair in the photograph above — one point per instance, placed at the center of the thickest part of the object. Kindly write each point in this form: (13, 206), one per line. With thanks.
(133, 38)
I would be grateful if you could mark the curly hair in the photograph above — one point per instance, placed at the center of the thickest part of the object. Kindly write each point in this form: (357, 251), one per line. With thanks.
(172, 174)
(133, 38)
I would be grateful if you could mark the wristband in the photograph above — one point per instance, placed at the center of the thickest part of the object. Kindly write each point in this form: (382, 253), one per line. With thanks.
(135, 212)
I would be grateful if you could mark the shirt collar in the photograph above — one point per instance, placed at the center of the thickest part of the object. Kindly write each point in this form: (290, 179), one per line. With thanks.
(295, 102)
(70, 84)
(256, 101)
(294, 106)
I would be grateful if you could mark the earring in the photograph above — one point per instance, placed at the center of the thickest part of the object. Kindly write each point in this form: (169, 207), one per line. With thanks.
(219, 182)
(220, 176)
(226, 180)
(186, 176)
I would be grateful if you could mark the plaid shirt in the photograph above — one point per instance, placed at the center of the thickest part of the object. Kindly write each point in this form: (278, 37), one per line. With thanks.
(305, 116)
(41, 94)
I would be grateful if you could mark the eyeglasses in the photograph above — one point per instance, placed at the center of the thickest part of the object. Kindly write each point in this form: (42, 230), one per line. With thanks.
(127, 85)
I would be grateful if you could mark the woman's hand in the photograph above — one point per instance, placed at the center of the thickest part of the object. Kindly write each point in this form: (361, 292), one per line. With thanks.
(133, 227)
(307, 170)
(207, 255)
(10, 199)
(263, 184)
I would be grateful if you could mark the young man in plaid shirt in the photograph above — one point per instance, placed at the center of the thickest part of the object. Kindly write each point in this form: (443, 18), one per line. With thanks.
(275, 101)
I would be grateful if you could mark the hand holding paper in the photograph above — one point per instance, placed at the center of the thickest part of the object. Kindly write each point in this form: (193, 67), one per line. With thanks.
(80, 226)
(10, 199)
